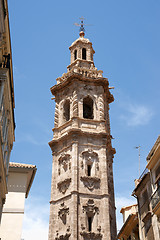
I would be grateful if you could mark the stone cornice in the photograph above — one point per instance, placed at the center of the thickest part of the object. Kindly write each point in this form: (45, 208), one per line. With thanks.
(89, 195)
(72, 76)
(76, 132)
(79, 119)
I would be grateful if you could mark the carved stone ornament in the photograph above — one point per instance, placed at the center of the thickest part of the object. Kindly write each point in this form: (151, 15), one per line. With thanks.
(65, 92)
(99, 228)
(64, 161)
(62, 213)
(63, 237)
(91, 182)
(90, 156)
(90, 208)
(91, 235)
(89, 88)
(64, 185)
(82, 165)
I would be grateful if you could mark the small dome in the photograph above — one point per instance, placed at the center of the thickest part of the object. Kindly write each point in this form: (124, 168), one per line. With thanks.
(80, 39)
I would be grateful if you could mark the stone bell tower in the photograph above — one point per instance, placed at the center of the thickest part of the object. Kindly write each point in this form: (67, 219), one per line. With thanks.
(82, 205)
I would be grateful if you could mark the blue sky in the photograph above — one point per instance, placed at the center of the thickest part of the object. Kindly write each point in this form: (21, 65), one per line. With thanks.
(126, 37)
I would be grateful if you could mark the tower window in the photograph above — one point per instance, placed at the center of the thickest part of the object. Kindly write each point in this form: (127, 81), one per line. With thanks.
(75, 54)
(66, 110)
(89, 170)
(89, 224)
(88, 108)
(84, 53)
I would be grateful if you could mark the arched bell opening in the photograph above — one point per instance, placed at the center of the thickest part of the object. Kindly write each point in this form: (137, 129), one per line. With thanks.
(88, 108)
(84, 53)
(66, 110)
(75, 54)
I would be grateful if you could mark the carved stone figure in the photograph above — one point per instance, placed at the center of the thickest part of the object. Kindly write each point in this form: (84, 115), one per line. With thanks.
(62, 213)
(90, 208)
(90, 156)
(64, 161)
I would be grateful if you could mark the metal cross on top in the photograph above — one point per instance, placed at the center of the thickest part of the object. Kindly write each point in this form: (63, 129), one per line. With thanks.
(81, 25)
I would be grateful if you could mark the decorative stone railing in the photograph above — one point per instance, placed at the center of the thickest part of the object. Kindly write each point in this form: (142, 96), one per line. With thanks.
(85, 72)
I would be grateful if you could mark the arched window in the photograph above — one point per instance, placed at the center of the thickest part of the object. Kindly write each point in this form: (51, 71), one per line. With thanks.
(88, 108)
(75, 54)
(84, 53)
(66, 110)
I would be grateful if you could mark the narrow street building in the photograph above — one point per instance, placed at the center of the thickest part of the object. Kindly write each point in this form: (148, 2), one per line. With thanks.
(20, 180)
(82, 202)
(147, 193)
(7, 122)
(130, 229)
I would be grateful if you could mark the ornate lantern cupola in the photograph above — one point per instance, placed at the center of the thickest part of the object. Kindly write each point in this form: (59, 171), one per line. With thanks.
(82, 50)
(82, 57)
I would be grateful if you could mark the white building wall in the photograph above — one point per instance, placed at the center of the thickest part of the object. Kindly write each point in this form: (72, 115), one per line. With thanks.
(13, 211)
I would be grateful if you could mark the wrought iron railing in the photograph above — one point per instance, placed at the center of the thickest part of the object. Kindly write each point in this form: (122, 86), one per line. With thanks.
(143, 173)
(155, 198)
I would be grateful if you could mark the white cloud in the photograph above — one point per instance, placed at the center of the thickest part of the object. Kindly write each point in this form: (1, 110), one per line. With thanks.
(36, 220)
(30, 139)
(122, 202)
(136, 115)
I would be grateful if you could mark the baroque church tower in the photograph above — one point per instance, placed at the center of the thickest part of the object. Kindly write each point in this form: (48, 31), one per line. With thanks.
(82, 205)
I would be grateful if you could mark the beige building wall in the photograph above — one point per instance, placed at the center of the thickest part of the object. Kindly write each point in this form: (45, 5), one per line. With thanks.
(20, 177)
(126, 211)
(129, 230)
(7, 122)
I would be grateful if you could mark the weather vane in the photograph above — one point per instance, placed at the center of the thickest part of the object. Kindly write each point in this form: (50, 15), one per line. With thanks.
(81, 24)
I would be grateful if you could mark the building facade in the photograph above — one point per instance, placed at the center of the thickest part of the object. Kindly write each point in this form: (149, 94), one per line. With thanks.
(147, 193)
(20, 180)
(7, 123)
(82, 202)
(130, 229)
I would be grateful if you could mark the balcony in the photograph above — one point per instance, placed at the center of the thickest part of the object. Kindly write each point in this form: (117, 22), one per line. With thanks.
(155, 202)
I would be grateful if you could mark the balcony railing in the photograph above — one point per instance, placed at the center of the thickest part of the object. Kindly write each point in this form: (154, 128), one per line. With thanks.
(155, 198)
(143, 173)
